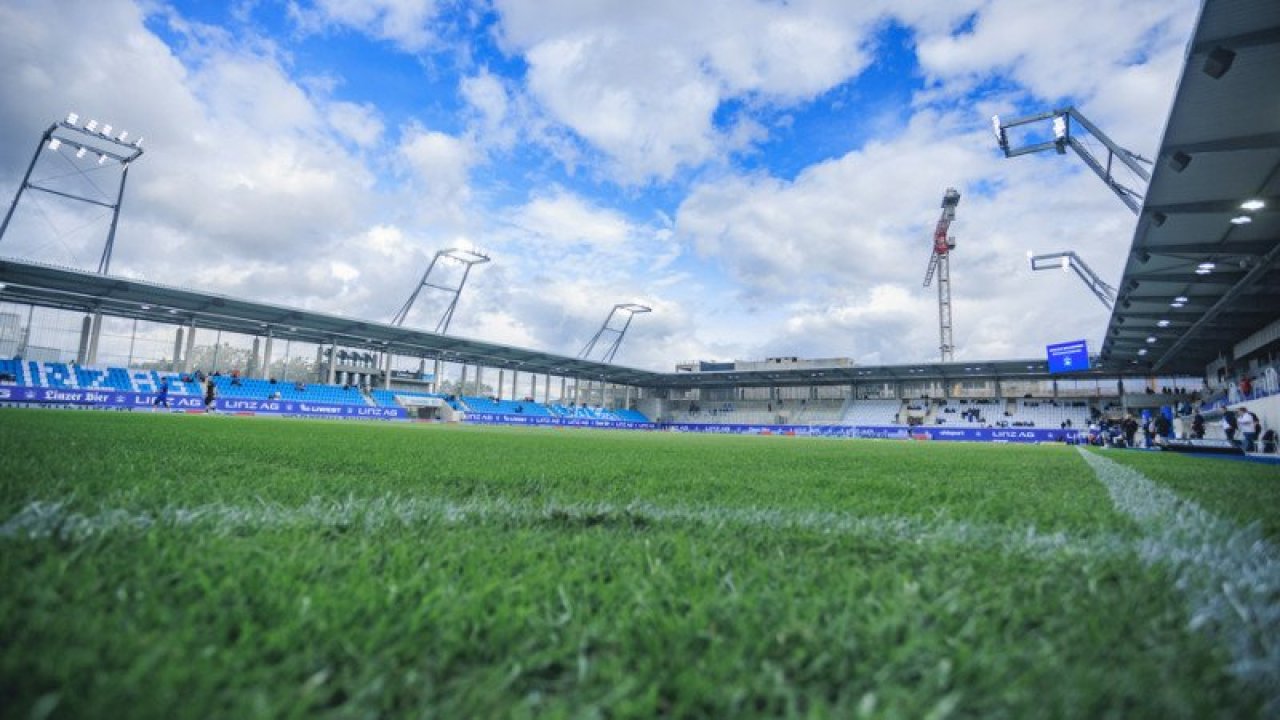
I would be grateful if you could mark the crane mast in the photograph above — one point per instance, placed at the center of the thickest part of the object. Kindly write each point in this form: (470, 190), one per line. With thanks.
(940, 264)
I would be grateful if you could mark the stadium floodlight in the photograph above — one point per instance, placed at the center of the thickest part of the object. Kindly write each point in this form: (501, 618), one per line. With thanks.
(1063, 121)
(84, 139)
(137, 143)
(630, 310)
(1163, 324)
(1068, 260)
(123, 134)
(1253, 205)
(1241, 220)
(468, 258)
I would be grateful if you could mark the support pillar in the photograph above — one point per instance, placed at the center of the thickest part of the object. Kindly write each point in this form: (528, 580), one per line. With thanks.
(86, 332)
(515, 384)
(177, 350)
(189, 355)
(386, 371)
(546, 387)
(479, 380)
(462, 381)
(502, 382)
(333, 362)
(255, 359)
(94, 335)
(266, 356)
(563, 381)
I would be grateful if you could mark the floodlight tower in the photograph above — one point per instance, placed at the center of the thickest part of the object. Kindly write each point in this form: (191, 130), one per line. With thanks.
(1064, 138)
(623, 312)
(467, 258)
(67, 137)
(1068, 260)
(940, 262)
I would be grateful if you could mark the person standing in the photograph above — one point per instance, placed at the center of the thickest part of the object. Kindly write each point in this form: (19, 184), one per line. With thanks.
(1248, 423)
(1229, 426)
(1197, 426)
(209, 393)
(162, 396)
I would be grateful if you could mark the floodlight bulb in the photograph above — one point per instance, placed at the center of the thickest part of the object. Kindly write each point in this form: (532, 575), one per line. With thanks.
(106, 129)
(72, 118)
(1066, 263)
(1241, 220)
(138, 142)
(91, 126)
(1206, 266)
(1254, 204)
(54, 143)
(1180, 298)
(1143, 351)
(101, 158)
(123, 134)
(995, 127)
(80, 153)
(1060, 127)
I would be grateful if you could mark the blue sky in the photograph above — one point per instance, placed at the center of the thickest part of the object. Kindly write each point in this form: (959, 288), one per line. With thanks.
(764, 174)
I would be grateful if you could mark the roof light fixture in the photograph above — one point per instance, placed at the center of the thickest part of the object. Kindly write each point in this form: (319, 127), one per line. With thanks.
(1163, 324)
(91, 126)
(1180, 298)
(1151, 339)
(1143, 351)
(72, 118)
(1177, 304)
(54, 143)
(106, 130)
(80, 153)
(1241, 220)
(1253, 204)
(101, 158)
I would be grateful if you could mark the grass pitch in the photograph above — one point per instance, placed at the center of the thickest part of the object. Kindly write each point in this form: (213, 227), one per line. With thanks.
(188, 566)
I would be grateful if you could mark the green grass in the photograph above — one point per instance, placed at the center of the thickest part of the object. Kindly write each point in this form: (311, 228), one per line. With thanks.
(1244, 492)
(554, 613)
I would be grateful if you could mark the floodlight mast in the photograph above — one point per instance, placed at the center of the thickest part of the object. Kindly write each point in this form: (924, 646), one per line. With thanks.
(940, 263)
(630, 310)
(1063, 138)
(469, 259)
(83, 140)
(1069, 260)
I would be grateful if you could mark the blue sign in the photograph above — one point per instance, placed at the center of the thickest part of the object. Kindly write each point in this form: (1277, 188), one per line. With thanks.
(1068, 356)
(121, 400)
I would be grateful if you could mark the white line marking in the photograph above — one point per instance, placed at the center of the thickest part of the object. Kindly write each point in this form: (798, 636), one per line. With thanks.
(1231, 575)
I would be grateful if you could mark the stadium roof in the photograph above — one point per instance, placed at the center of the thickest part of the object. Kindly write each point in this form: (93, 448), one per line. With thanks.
(80, 291)
(1221, 148)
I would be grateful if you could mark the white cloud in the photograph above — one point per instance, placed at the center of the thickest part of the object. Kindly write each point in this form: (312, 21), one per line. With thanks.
(441, 165)
(361, 124)
(407, 23)
(642, 82)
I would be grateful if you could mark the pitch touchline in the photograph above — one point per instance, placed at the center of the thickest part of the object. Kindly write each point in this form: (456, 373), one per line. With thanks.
(1231, 575)
(41, 520)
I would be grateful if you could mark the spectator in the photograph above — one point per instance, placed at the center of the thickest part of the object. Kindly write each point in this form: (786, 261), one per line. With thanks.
(1269, 441)
(1246, 386)
(1229, 426)
(300, 386)
(1197, 426)
(210, 391)
(1248, 424)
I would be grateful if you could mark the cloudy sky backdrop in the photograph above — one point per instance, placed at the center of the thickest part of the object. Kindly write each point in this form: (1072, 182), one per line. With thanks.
(765, 175)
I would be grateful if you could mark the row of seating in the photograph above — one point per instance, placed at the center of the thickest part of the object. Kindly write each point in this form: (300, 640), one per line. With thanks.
(65, 376)
(253, 388)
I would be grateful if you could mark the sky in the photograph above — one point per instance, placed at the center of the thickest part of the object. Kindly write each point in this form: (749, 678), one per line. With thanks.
(765, 175)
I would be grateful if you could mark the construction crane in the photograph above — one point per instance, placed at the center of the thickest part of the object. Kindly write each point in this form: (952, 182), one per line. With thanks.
(940, 264)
